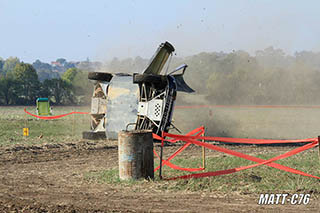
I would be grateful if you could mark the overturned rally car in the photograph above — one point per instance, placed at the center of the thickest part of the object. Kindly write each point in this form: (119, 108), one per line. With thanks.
(124, 101)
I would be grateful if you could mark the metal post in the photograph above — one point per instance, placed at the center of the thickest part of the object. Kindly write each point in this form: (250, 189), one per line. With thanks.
(203, 153)
(26, 124)
(73, 123)
(161, 152)
(319, 146)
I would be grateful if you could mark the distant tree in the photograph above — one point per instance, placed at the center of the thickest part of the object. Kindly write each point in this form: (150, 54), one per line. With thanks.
(82, 87)
(269, 77)
(44, 70)
(271, 59)
(10, 64)
(44, 90)
(47, 74)
(8, 87)
(139, 64)
(1, 66)
(200, 67)
(114, 64)
(59, 90)
(89, 66)
(27, 78)
(61, 61)
(68, 65)
(40, 66)
(70, 74)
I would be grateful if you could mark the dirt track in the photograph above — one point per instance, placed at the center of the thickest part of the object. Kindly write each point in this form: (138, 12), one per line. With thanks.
(50, 178)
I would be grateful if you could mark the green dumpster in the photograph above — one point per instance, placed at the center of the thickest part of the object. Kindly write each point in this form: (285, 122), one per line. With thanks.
(43, 106)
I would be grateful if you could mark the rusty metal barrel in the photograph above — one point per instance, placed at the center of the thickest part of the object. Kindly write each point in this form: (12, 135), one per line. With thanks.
(135, 154)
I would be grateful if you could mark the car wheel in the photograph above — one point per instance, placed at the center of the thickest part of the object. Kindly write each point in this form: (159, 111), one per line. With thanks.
(100, 76)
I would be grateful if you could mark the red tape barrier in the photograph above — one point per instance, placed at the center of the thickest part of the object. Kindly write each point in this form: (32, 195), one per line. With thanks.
(192, 140)
(167, 162)
(239, 140)
(251, 158)
(53, 117)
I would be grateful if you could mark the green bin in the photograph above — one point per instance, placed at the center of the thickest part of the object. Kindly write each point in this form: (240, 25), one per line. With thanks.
(43, 106)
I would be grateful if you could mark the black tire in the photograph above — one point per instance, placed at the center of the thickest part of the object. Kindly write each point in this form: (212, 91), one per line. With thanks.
(148, 78)
(94, 135)
(100, 76)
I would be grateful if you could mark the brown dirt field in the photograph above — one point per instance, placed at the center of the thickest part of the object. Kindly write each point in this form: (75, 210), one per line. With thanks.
(50, 178)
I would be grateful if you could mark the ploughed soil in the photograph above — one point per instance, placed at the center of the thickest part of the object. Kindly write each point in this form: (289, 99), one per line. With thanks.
(51, 178)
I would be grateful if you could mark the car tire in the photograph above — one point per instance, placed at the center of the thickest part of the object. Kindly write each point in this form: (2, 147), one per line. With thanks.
(100, 76)
(160, 81)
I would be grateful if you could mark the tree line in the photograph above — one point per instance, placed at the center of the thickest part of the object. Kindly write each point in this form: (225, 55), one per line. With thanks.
(20, 85)
(268, 77)
(63, 82)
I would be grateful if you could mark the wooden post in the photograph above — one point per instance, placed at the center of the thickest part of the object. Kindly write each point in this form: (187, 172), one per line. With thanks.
(25, 125)
(319, 147)
(135, 154)
(73, 123)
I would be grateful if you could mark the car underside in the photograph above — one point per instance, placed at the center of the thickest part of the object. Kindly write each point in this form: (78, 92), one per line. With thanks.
(123, 101)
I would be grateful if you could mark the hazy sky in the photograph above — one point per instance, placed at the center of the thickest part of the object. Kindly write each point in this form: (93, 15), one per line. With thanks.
(101, 29)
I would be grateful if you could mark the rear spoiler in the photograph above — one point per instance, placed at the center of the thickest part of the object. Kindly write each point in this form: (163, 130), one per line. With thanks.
(182, 86)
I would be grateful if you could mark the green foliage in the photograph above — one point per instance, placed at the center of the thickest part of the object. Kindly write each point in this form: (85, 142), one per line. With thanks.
(47, 74)
(58, 90)
(62, 61)
(270, 77)
(8, 90)
(10, 64)
(40, 66)
(27, 78)
(1, 66)
(70, 74)
(81, 87)
(19, 84)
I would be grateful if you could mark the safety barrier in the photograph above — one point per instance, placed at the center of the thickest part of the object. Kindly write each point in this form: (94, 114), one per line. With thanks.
(53, 117)
(198, 132)
(193, 137)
